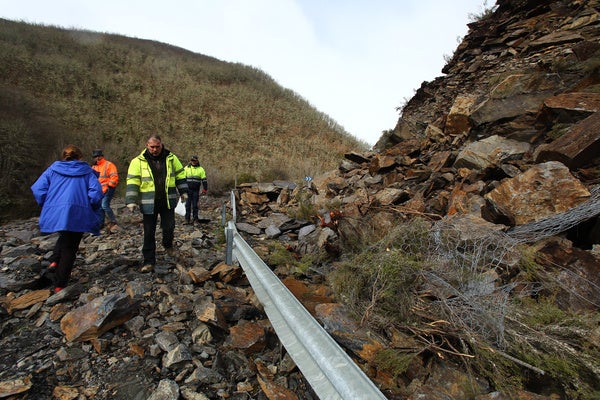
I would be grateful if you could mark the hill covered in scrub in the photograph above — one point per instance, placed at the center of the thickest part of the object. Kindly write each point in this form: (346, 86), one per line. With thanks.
(107, 91)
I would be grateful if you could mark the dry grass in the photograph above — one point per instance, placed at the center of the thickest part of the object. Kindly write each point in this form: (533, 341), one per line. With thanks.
(450, 290)
(109, 91)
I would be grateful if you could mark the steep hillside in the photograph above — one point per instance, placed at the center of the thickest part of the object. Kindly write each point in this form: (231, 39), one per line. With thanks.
(470, 237)
(109, 91)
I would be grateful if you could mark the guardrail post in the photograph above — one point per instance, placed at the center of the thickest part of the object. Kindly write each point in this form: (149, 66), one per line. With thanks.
(229, 248)
(224, 215)
(233, 207)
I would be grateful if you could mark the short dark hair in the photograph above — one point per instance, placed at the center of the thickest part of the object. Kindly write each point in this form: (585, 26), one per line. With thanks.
(155, 136)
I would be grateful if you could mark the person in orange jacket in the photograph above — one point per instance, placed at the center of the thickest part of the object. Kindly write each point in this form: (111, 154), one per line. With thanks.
(109, 179)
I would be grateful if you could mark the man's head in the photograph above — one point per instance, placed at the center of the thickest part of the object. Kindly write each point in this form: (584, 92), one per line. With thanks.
(97, 154)
(154, 145)
(194, 160)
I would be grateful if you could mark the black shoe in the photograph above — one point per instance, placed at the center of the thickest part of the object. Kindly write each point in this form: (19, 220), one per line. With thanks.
(46, 279)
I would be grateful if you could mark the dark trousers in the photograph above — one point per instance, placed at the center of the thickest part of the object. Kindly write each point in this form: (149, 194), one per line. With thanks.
(191, 204)
(167, 224)
(65, 252)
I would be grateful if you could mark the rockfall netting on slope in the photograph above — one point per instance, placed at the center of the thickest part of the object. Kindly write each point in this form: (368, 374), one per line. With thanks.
(466, 267)
(466, 259)
(559, 223)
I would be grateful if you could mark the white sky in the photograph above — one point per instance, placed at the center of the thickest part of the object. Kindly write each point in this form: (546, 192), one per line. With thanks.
(354, 60)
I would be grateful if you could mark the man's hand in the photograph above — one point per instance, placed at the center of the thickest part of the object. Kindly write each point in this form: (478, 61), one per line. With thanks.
(184, 198)
(131, 207)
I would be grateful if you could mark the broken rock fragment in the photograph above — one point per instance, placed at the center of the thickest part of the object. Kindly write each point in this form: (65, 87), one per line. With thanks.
(98, 316)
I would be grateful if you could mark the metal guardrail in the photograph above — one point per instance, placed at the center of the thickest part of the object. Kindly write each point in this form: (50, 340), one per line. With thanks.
(326, 366)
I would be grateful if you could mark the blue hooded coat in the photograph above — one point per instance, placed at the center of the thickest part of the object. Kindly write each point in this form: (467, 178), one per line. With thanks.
(69, 193)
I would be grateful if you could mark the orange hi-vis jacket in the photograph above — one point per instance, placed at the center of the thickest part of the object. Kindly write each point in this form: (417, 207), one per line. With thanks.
(108, 174)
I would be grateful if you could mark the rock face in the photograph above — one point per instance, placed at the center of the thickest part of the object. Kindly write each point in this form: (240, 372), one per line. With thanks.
(519, 93)
(507, 138)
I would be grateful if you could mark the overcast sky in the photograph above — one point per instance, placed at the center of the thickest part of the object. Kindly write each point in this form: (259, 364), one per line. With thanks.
(354, 60)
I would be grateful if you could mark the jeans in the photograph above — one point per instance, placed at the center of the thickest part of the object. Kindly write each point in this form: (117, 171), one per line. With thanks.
(167, 224)
(191, 205)
(106, 210)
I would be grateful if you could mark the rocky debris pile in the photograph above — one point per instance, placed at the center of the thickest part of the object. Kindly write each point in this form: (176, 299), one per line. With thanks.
(509, 135)
(190, 329)
(506, 141)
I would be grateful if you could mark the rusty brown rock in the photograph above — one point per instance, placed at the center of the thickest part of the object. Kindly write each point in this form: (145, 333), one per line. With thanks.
(543, 190)
(211, 314)
(226, 273)
(309, 296)
(199, 275)
(266, 379)
(574, 101)
(27, 300)
(58, 311)
(15, 386)
(382, 163)
(65, 392)
(439, 160)
(100, 345)
(136, 349)
(275, 391)
(284, 197)
(457, 203)
(254, 198)
(93, 319)
(249, 337)
(576, 148)
(335, 318)
(457, 122)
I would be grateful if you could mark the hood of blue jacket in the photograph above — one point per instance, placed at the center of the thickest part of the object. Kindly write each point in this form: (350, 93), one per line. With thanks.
(71, 168)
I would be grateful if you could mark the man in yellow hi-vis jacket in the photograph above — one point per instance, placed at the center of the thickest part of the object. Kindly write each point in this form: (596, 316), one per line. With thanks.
(196, 180)
(155, 181)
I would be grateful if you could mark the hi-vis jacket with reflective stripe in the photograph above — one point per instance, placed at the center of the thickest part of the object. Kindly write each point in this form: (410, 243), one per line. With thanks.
(108, 174)
(140, 183)
(196, 177)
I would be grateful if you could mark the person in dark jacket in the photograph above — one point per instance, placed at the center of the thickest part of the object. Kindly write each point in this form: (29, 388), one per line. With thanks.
(70, 195)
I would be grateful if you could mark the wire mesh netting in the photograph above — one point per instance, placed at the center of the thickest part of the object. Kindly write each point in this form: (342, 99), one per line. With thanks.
(556, 224)
(464, 257)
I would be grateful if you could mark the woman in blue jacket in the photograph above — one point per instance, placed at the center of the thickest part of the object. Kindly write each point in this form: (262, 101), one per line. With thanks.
(69, 193)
